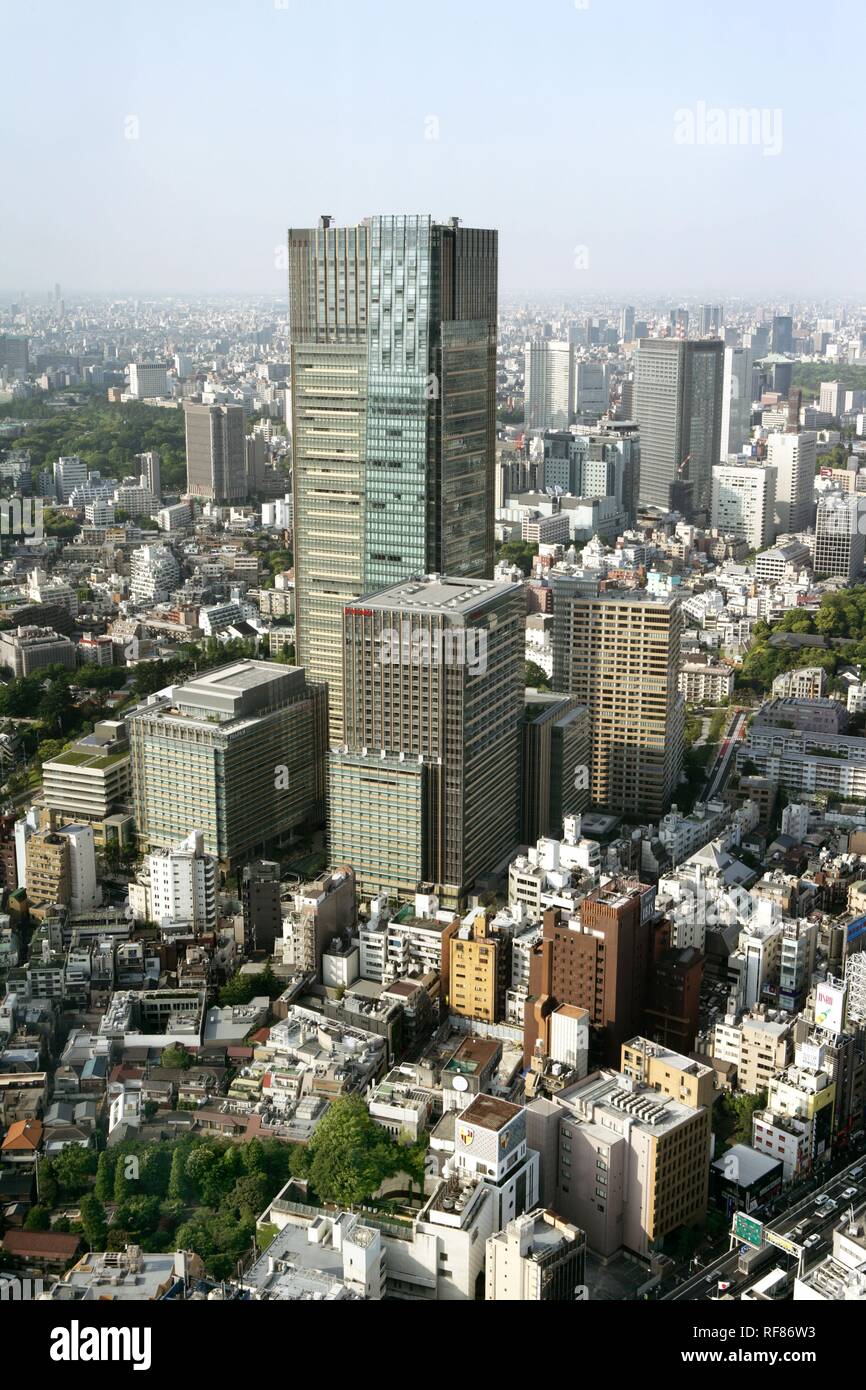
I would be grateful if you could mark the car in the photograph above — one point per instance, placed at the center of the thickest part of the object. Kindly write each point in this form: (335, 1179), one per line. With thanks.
(811, 1241)
(849, 1193)
(821, 1199)
(856, 1172)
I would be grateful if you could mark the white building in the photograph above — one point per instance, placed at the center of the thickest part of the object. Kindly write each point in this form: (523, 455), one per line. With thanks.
(155, 574)
(70, 472)
(148, 379)
(181, 885)
(547, 378)
(744, 501)
(794, 457)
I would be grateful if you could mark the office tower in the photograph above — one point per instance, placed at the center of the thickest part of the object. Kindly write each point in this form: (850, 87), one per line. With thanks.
(239, 753)
(426, 787)
(183, 884)
(794, 457)
(216, 462)
(260, 898)
(839, 536)
(256, 460)
(678, 408)
(590, 391)
(148, 379)
(25, 650)
(14, 355)
(626, 323)
(783, 334)
(393, 344)
(537, 1258)
(736, 401)
(832, 398)
(70, 472)
(618, 653)
(744, 501)
(712, 321)
(598, 961)
(154, 574)
(547, 385)
(598, 463)
(679, 323)
(554, 763)
(149, 473)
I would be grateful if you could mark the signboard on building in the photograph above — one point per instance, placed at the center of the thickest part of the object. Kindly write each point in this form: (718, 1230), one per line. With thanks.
(748, 1230)
(829, 1007)
(783, 1243)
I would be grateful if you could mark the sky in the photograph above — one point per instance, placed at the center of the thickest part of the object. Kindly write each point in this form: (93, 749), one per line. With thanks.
(167, 146)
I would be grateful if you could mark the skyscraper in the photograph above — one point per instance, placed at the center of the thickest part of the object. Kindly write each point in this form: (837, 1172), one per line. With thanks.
(426, 787)
(678, 407)
(736, 401)
(393, 346)
(548, 373)
(839, 539)
(794, 456)
(215, 452)
(744, 501)
(783, 334)
(618, 653)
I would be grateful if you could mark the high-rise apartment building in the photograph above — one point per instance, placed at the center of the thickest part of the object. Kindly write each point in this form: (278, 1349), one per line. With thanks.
(70, 472)
(425, 788)
(736, 401)
(478, 972)
(183, 884)
(678, 408)
(744, 501)
(239, 753)
(547, 385)
(794, 455)
(618, 653)
(393, 344)
(216, 457)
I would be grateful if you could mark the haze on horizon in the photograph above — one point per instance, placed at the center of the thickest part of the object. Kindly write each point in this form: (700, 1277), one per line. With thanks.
(169, 149)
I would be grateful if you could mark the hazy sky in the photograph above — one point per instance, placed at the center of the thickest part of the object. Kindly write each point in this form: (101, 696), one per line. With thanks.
(578, 132)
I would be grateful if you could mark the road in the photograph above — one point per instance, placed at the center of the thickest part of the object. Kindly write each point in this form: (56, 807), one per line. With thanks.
(724, 761)
(804, 1217)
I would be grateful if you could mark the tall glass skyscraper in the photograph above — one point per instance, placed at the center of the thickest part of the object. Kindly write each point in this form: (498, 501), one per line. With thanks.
(393, 347)
(678, 408)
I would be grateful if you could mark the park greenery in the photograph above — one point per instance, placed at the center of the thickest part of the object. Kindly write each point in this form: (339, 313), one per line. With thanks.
(206, 1194)
(107, 437)
(841, 617)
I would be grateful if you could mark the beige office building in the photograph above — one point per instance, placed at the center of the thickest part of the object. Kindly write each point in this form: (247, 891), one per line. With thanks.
(216, 460)
(426, 787)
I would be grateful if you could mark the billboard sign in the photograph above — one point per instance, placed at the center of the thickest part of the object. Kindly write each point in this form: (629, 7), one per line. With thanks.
(829, 1007)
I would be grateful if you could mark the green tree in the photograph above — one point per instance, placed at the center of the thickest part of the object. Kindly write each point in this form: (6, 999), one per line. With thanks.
(179, 1186)
(176, 1057)
(93, 1221)
(73, 1168)
(38, 1218)
(349, 1154)
(104, 1177)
